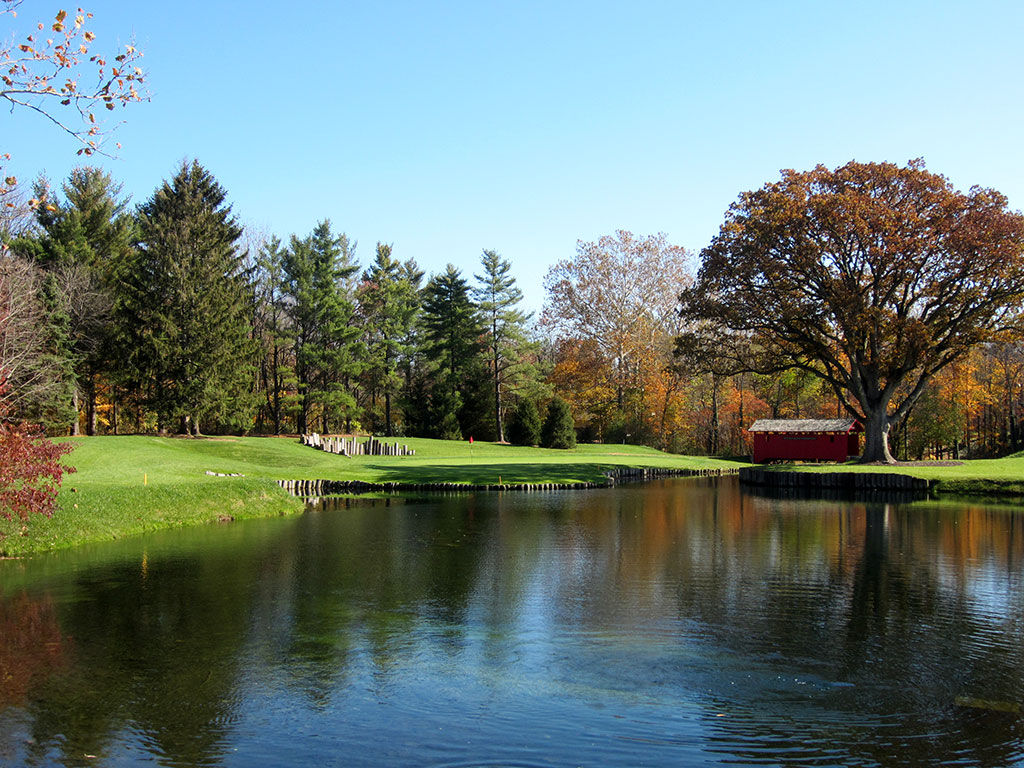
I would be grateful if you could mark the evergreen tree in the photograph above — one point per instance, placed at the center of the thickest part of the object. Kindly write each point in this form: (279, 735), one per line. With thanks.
(91, 227)
(558, 431)
(497, 297)
(452, 334)
(389, 300)
(273, 332)
(83, 238)
(320, 270)
(184, 306)
(524, 424)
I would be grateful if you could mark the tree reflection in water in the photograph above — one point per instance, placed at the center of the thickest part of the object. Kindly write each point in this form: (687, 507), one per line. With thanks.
(682, 620)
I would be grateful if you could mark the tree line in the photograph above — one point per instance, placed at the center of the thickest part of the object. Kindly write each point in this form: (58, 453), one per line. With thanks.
(870, 290)
(171, 317)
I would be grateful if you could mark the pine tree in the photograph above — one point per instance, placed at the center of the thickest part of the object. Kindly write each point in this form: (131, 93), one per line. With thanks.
(273, 331)
(452, 335)
(558, 431)
(497, 297)
(184, 307)
(320, 270)
(524, 424)
(389, 301)
(83, 239)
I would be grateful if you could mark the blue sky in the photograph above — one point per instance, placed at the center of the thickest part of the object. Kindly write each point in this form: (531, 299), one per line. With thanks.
(449, 127)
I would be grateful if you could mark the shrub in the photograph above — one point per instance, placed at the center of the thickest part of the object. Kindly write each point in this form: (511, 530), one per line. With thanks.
(559, 430)
(524, 425)
(30, 470)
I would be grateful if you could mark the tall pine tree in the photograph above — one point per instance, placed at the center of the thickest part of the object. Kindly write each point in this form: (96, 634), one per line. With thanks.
(273, 332)
(497, 296)
(320, 272)
(452, 334)
(389, 302)
(83, 239)
(184, 307)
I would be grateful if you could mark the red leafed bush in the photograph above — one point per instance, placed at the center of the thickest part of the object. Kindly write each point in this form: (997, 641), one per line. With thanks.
(30, 470)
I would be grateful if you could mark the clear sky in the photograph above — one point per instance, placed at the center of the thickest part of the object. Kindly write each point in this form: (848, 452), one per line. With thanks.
(449, 127)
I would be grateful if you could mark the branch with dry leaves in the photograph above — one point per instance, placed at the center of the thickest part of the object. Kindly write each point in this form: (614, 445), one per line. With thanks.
(55, 68)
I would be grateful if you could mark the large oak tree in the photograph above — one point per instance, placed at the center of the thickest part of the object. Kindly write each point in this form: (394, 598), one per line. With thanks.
(872, 276)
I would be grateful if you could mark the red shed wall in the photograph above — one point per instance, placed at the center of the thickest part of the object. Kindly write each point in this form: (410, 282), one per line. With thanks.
(803, 447)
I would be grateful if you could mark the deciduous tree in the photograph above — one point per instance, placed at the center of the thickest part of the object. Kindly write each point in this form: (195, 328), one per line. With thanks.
(618, 299)
(29, 372)
(873, 277)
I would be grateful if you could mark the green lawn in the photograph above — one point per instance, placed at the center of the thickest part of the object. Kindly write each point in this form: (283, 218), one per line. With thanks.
(132, 484)
(128, 485)
(978, 477)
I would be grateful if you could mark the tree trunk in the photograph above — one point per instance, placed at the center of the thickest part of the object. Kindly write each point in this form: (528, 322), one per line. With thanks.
(713, 443)
(91, 419)
(876, 437)
(497, 403)
(75, 431)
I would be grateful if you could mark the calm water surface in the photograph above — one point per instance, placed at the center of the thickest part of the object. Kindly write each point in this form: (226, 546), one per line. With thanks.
(677, 623)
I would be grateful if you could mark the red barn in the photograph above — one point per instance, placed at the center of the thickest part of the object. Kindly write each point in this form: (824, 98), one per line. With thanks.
(805, 439)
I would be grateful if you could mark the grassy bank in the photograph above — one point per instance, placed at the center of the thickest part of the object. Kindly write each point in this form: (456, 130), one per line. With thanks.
(128, 485)
(979, 477)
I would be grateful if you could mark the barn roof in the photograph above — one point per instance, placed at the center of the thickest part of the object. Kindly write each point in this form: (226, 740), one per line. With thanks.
(804, 425)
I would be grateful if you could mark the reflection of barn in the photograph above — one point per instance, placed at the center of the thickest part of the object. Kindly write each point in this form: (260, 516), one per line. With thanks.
(805, 439)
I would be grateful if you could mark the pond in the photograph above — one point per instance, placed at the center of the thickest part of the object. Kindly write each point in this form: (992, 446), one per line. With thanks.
(681, 622)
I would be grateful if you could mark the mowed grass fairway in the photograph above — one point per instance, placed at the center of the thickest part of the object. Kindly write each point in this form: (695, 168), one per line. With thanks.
(132, 484)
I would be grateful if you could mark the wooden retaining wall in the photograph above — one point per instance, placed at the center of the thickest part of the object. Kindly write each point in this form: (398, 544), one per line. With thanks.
(844, 481)
(631, 474)
(350, 446)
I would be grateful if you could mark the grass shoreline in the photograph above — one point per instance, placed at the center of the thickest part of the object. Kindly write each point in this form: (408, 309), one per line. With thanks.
(997, 478)
(129, 485)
